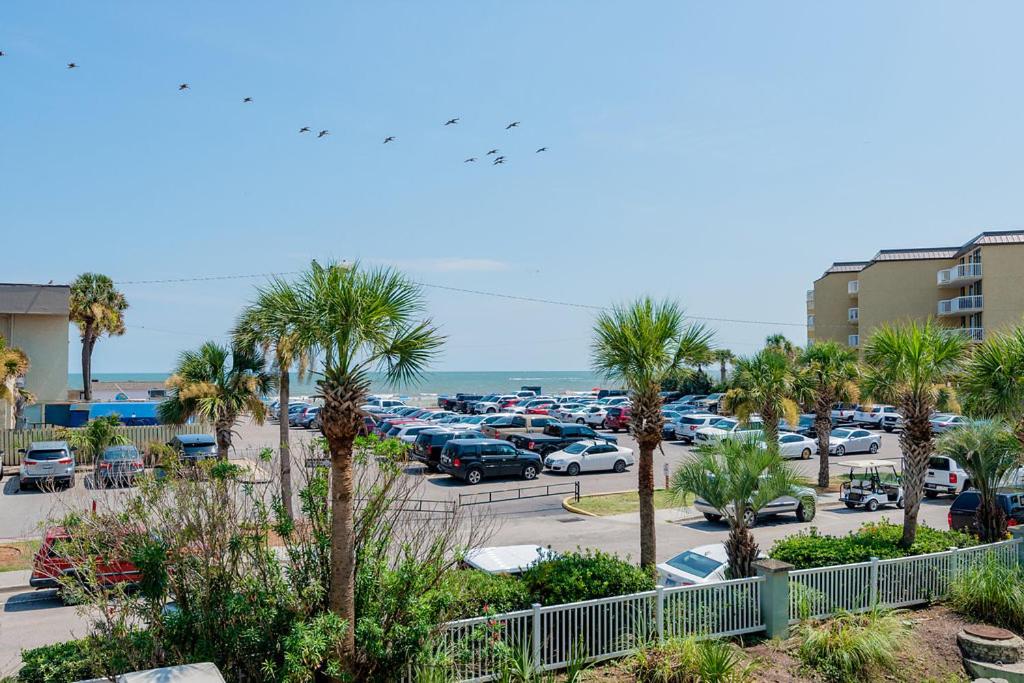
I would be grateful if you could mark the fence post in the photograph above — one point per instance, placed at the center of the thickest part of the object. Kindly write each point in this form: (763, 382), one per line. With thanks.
(536, 636)
(874, 581)
(660, 613)
(577, 488)
(774, 596)
(1017, 532)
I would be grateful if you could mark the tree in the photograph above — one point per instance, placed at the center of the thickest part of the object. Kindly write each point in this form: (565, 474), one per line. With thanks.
(262, 325)
(767, 384)
(739, 478)
(908, 365)
(830, 371)
(993, 380)
(724, 357)
(98, 309)
(640, 345)
(782, 344)
(357, 322)
(94, 438)
(14, 364)
(217, 384)
(987, 451)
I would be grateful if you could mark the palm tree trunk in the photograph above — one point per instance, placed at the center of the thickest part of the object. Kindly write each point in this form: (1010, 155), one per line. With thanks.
(741, 549)
(721, 372)
(286, 456)
(87, 343)
(822, 428)
(222, 429)
(916, 444)
(770, 422)
(991, 519)
(646, 422)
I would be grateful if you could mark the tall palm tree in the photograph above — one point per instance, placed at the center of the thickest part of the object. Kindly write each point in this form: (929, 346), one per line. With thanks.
(98, 309)
(639, 345)
(724, 357)
(739, 478)
(993, 380)
(766, 383)
(14, 364)
(262, 325)
(782, 344)
(987, 451)
(356, 322)
(908, 365)
(217, 384)
(830, 371)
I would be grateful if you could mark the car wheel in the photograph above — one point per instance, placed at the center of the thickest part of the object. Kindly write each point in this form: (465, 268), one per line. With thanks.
(620, 466)
(432, 468)
(889, 429)
(931, 494)
(572, 470)
(530, 472)
(805, 454)
(873, 448)
(749, 518)
(872, 505)
(71, 482)
(491, 410)
(615, 430)
(602, 426)
(474, 476)
(901, 503)
(850, 506)
(840, 450)
(580, 420)
(712, 518)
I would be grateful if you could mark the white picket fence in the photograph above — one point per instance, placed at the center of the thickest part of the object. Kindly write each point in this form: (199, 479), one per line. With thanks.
(900, 582)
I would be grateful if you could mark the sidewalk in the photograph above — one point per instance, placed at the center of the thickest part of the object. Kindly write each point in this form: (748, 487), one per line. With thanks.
(12, 582)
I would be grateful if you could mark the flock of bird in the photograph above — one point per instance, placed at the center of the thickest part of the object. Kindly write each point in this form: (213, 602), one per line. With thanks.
(498, 159)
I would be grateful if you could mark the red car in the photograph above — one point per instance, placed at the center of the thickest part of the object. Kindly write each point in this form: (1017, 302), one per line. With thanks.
(616, 418)
(51, 562)
(384, 426)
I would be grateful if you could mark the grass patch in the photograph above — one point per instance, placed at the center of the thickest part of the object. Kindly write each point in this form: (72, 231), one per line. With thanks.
(621, 503)
(853, 647)
(17, 555)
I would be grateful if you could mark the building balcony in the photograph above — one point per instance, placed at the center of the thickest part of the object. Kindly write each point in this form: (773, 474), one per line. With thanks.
(810, 299)
(973, 334)
(853, 341)
(853, 287)
(853, 314)
(961, 305)
(810, 322)
(962, 274)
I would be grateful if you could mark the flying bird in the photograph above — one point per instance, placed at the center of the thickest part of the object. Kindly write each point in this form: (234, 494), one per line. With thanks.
(514, 124)
(323, 133)
(304, 129)
(493, 151)
(450, 122)
(183, 86)
(542, 149)
(72, 65)
(469, 160)
(498, 160)
(247, 99)
(1, 53)
(390, 138)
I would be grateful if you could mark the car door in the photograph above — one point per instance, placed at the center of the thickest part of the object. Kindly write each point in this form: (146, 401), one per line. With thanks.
(510, 463)
(596, 458)
(790, 445)
(492, 459)
(860, 441)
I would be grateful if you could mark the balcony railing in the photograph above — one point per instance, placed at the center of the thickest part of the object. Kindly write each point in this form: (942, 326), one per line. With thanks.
(853, 314)
(959, 274)
(810, 321)
(853, 340)
(810, 299)
(961, 304)
(853, 287)
(974, 334)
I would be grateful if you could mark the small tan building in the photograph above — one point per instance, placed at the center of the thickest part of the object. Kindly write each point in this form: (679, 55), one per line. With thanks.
(976, 288)
(34, 318)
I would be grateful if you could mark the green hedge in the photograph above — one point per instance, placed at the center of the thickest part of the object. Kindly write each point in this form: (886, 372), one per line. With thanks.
(584, 575)
(807, 550)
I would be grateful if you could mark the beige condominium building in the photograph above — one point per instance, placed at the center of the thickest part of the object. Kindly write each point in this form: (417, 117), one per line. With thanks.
(975, 289)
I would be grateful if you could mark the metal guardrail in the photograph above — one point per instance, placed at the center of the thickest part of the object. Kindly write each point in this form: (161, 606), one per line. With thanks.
(521, 493)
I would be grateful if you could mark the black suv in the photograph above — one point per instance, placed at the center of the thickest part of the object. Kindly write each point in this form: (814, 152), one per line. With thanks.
(430, 442)
(963, 513)
(473, 460)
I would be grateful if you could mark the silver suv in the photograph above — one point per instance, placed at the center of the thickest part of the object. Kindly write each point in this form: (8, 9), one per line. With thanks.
(47, 461)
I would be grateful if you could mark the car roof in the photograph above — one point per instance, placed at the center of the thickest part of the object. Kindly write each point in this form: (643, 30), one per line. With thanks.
(47, 445)
(506, 559)
(482, 441)
(190, 439)
(126, 448)
(716, 551)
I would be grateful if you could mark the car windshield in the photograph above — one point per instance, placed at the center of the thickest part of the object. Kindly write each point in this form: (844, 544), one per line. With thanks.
(694, 564)
(120, 454)
(726, 424)
(46, 455)
(841, 433)
(575, 448)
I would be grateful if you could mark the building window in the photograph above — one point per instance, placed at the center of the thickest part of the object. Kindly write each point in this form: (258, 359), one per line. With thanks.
(853, 314)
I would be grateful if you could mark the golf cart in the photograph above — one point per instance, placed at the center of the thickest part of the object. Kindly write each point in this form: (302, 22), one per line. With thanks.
(871, 483)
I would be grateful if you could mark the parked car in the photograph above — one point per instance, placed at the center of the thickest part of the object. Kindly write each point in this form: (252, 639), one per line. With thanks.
(800, 501)
(305, 418)
(464, 402)
(595, 416)
(118, 465)
(430, 442)
(892, 421)
(294, 410)
(844, 440)
(872, 417)
(383, 403)
(700, 565)
(944, 476)
(843, 412)
(473, 460)
(590, 456)
(49, 462)
(56, 558)
(792, 445)
(275, 408)
(536, 406)
(577, 414)
(493, 405)
(709, 403)
(729, 428)
(605, 393)
(687, 426)
(194, 448)
(555, 437)
(508, 559)
(616, 418)
(517, 423)
(409, 432)
(943, 422)
(963, 513)
(804, 425)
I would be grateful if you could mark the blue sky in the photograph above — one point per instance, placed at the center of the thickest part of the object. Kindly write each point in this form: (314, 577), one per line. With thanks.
(721, 154)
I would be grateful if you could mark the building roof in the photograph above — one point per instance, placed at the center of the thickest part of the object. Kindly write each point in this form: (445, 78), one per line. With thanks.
(921, 254)
(846, 267)
(25, 299)
(991, 237)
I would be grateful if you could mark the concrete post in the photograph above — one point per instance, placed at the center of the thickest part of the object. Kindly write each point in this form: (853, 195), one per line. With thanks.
(660, 613)
(774, 596)
(536, 636)
(1017, 534)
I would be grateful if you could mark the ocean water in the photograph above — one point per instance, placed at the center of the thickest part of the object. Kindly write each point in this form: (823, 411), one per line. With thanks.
(551, 381)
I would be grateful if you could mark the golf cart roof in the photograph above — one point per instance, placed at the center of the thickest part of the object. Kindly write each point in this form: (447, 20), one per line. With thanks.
(508, 559)
(869, 464)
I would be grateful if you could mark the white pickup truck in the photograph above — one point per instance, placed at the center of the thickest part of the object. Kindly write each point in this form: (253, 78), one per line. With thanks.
(944, 476)
(728, 429)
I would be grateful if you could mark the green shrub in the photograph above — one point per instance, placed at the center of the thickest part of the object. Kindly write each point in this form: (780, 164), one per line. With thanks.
(470, 593)
(688, 660)
(584, 575)
(991, 592)
(806, 550)
(89, 657)
(853, 647)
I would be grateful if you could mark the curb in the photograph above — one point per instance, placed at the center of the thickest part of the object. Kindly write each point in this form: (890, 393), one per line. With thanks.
(4, 590)
(575, 510)
(572, 508)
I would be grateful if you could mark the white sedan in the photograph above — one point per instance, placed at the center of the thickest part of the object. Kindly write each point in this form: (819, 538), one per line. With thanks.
(703, 564)
(590, 456)
(797, 446)
(843, 441)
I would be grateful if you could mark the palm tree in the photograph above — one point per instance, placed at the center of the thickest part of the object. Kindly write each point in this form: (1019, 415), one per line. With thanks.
(993, 379)
(262, 325)
(96, 436)
(908, 366)
(766, 383)
(724, 357)
(831, 371)
(739, 478)
(97, 308)
(639, 345)
(14, 364)
(782, 344)
(357, 322)
(217, 384)
(987, 451)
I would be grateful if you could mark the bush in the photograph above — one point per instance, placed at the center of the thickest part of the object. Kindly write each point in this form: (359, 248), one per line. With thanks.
(991, 592)
(853, 647)
(584, 575)
(688, 660)
(89, 657)
(873, 539)
(470, 593)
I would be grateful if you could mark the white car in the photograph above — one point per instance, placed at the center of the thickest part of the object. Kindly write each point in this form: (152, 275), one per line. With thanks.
(409, 432)
(700, 565)
(842, 441)
(507, 559)
(946, 421)
(595, 416)
(687, 425)
(944, 476)
(492, 406)
(383, 403)
(843, 412)
(728, 428)
(532, 403)
(873, 417)
(796, 446)
(590, 456)
(566, 411)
